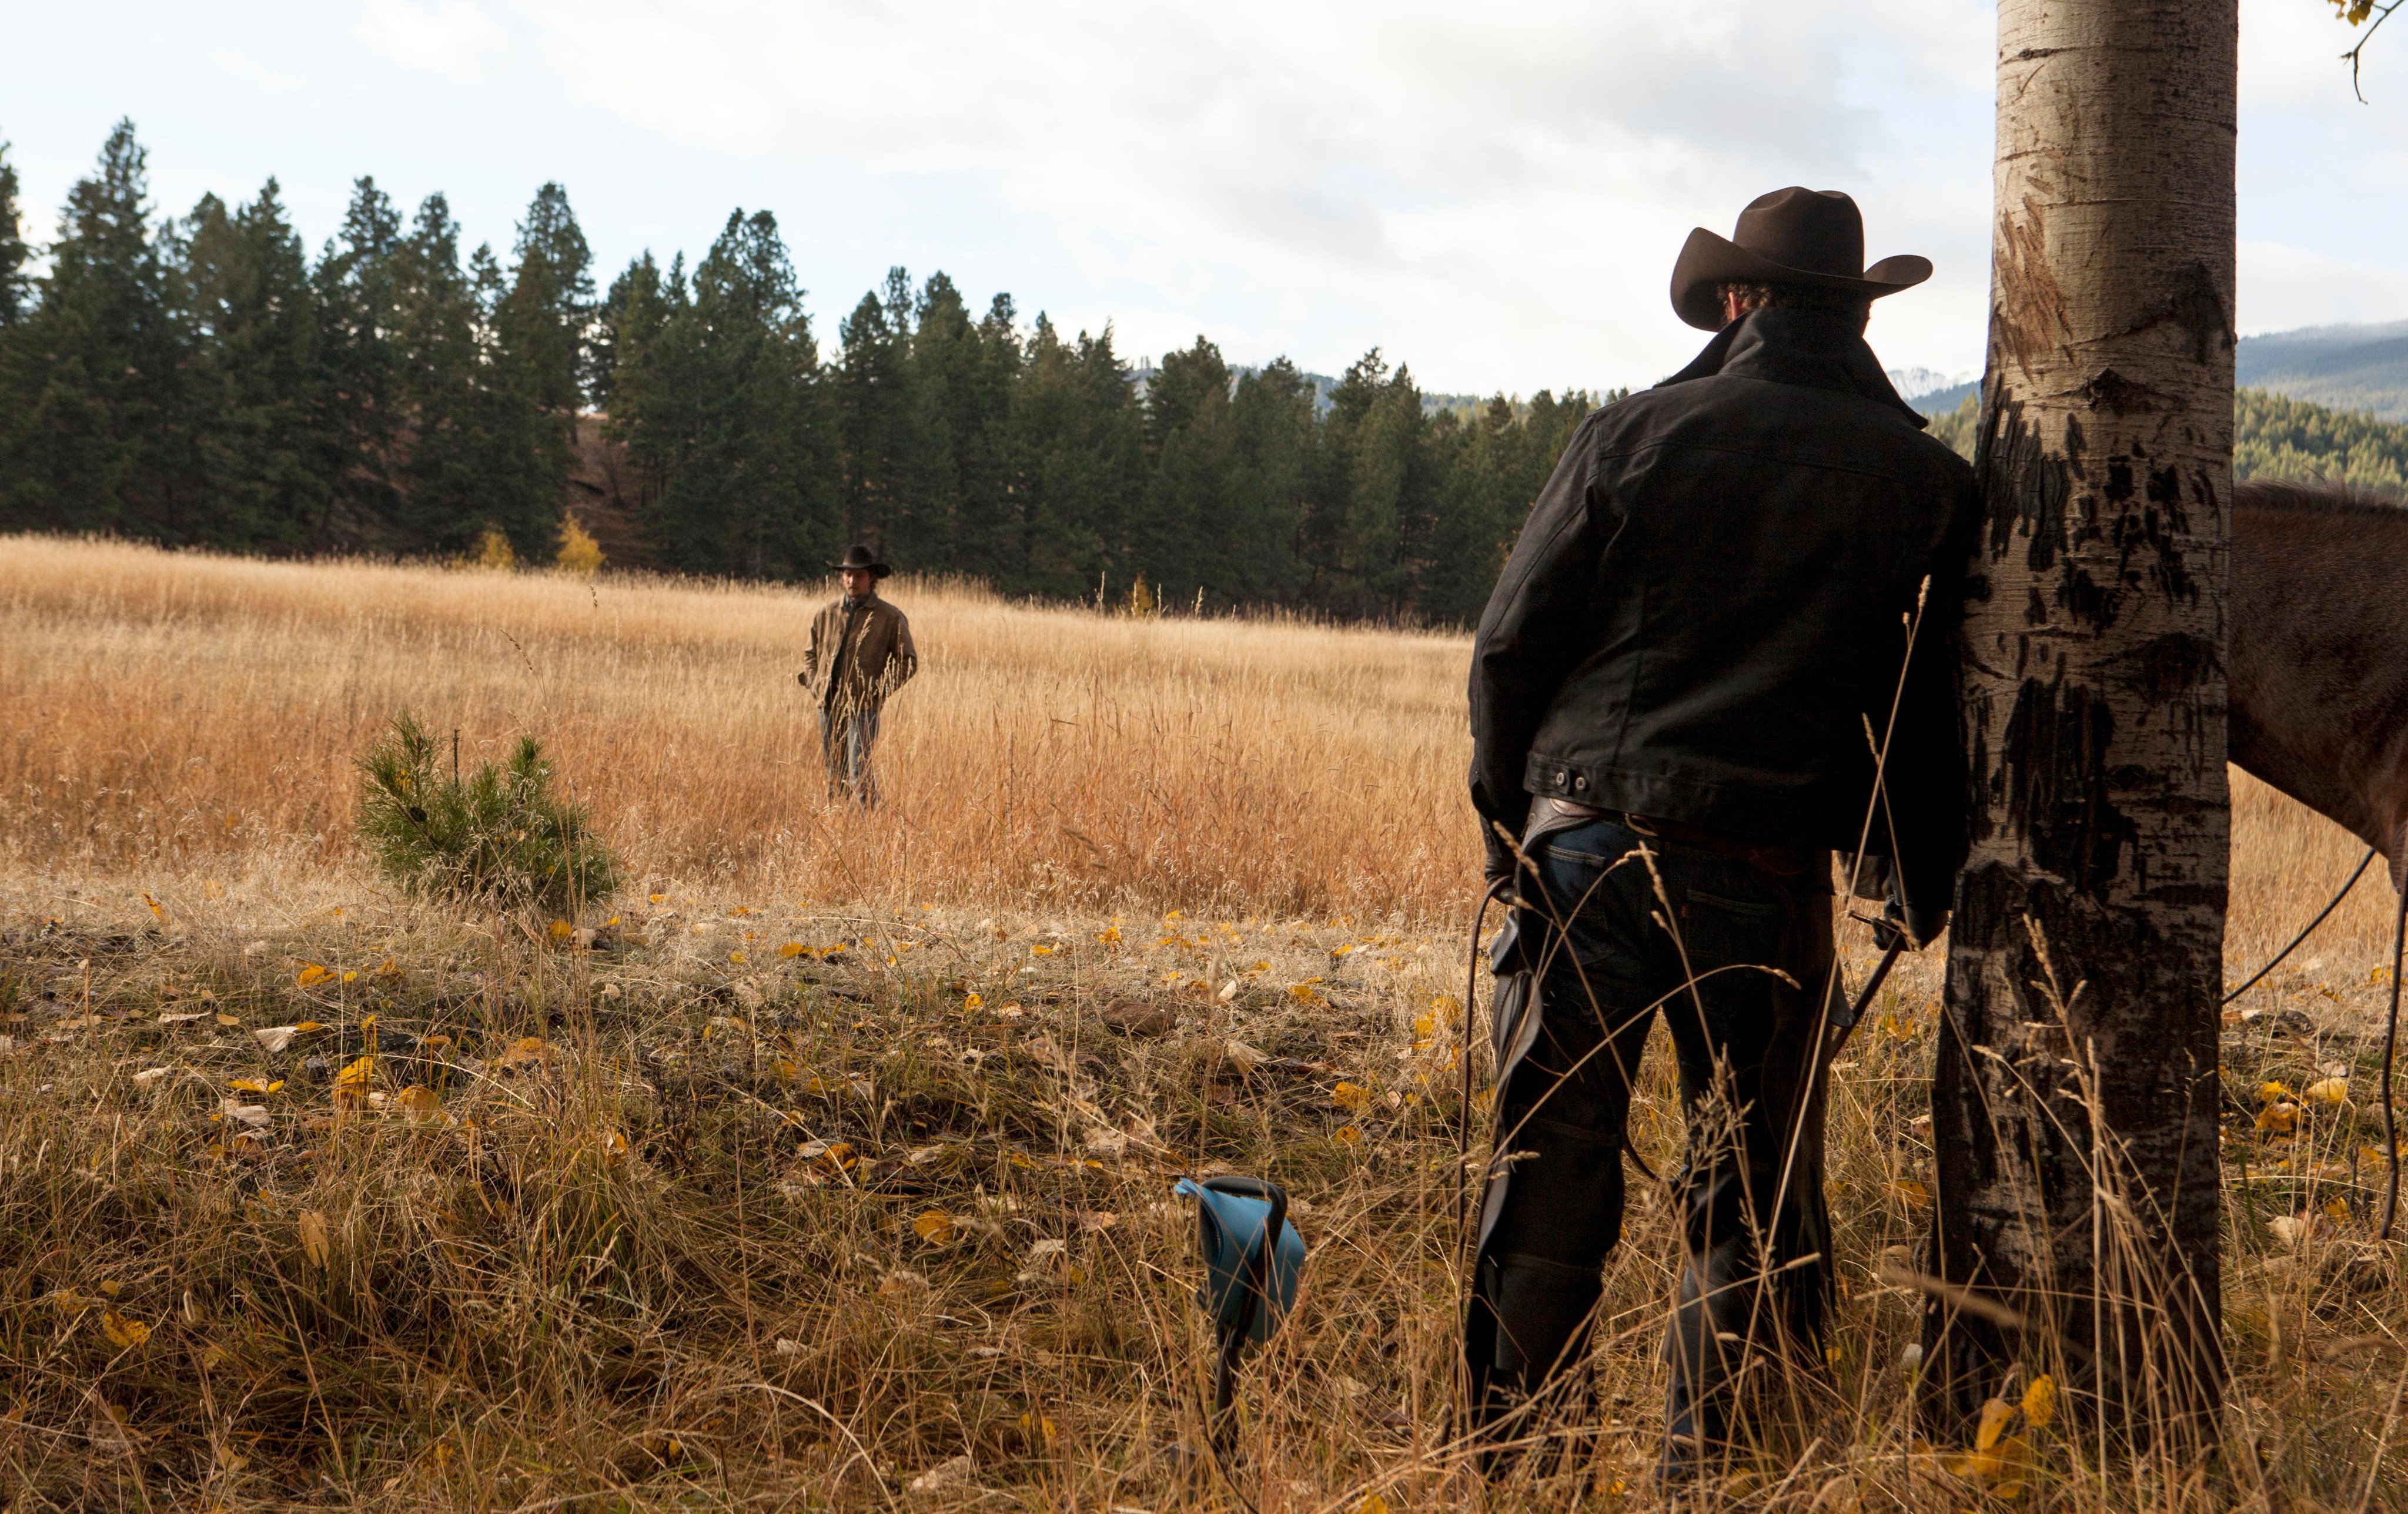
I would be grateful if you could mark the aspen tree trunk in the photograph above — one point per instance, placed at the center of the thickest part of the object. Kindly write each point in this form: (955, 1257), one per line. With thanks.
(2075, 1095)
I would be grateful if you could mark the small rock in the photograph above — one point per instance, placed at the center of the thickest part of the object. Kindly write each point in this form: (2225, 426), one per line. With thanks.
(1134, 1017)
(1241, 1056)
(2292, 1022)
(945, 1477)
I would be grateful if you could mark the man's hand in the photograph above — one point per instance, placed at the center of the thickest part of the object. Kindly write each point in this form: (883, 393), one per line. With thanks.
(1910, 928)
(1498, 860)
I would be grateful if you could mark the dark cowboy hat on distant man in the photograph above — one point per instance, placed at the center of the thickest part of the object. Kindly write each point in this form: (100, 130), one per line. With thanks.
(859, 556)
(1792, 235)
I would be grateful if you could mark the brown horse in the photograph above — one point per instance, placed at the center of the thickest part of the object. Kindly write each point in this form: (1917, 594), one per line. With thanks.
(2319, 654)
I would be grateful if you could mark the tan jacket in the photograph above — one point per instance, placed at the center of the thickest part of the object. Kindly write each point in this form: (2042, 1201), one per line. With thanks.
(863, 674)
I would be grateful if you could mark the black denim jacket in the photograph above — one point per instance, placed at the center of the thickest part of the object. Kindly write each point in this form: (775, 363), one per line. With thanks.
(1707, 611)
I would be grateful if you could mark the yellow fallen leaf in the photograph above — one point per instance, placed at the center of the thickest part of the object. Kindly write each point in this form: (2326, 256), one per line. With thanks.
(1373, 1504)
(388, 968)
(1995, 1415)
(228, 1020)
(312, 975)
(357, 1074)
(2270, 1091)
(2337, 1208)
(419, 1102)
(253, 1085)
(560, 930)
(308, 1025)
(2328, 1091)
(786, 1070)
(735, 957)
(313, 1236)
(155, 909)
(347, 976)
(973, 1001)
(793, 949)
(655, 898)
(1912, 1191)
(936, 1227)
(525, 1049)
(2279, 1119)
(122, 1333)
(1352, 1098)
(2040, 1401)
(1349, 1135)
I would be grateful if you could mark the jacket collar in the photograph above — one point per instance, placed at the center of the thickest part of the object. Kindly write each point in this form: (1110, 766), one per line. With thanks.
(1815, 348)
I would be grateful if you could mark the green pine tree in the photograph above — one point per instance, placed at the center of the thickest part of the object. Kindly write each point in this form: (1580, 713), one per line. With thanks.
(360, 426)
(1275, 442)
(1077, 455)
(250, 305)
(1183, 538)
(14, 252)
(93, 423)
(631, 316)
(723, 411)
(873, 412)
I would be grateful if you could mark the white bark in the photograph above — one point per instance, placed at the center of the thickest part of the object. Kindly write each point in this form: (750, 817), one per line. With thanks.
(2095, 707)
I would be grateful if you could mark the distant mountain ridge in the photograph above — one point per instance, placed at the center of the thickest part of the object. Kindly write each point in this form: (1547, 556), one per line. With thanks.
(2360, 368)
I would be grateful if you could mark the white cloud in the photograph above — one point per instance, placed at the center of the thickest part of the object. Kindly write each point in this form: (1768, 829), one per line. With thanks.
(1505, 188)
(451, 37)
(2284, 288)
(251, 71)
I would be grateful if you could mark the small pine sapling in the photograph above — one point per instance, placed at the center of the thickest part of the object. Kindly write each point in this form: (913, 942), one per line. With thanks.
(499, 835)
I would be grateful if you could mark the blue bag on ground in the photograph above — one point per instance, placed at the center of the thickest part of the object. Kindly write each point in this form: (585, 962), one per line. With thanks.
(1232, 1217)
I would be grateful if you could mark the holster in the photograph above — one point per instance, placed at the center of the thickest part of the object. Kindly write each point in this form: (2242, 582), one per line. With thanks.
(1517, 1010)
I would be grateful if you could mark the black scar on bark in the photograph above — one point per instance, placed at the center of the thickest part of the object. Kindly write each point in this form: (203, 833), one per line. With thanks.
(2053, 758)
(2168, 668)
(2011, 449)
(2110, 390)
(2196, 306)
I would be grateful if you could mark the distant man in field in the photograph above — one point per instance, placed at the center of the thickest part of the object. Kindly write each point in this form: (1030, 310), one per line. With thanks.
(1708, 627)
(860, 654)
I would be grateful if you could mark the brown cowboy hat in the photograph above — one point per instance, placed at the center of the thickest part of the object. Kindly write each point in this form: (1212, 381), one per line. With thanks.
(859, 556)
(1789, 237)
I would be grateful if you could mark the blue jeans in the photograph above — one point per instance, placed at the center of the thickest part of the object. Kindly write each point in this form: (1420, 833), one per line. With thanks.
(1749, 1048)
(846, 738)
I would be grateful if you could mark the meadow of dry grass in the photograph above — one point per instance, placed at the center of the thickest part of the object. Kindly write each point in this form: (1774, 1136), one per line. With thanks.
(834, 1178)
(195, 710)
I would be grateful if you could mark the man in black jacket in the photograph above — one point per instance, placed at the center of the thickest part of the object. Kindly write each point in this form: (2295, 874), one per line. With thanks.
(1723, 648)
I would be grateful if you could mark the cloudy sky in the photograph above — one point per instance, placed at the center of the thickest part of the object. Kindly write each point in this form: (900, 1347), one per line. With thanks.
(1492, 193)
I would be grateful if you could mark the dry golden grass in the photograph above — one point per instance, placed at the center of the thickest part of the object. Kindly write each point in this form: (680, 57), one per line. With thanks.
(190, 710)
(622, 1274)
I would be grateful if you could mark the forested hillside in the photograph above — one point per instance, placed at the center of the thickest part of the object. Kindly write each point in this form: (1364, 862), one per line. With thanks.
(2274, 437)
(202, 379)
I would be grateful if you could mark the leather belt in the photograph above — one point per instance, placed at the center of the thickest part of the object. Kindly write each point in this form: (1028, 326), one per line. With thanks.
(1778, 862)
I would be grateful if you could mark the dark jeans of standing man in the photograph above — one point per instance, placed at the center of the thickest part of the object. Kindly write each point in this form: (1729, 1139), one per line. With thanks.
(1746, 1043)
(846, 738)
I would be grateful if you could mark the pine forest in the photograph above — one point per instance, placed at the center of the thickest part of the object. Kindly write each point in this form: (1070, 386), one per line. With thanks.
(202, 380)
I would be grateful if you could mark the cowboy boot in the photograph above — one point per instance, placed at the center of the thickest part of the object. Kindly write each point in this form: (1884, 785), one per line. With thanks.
(1530, 1322)
(1705, 1344)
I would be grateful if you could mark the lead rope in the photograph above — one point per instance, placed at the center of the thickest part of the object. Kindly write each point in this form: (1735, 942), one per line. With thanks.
(2390, 1027)
(2390, 1045)
(2306, 931)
